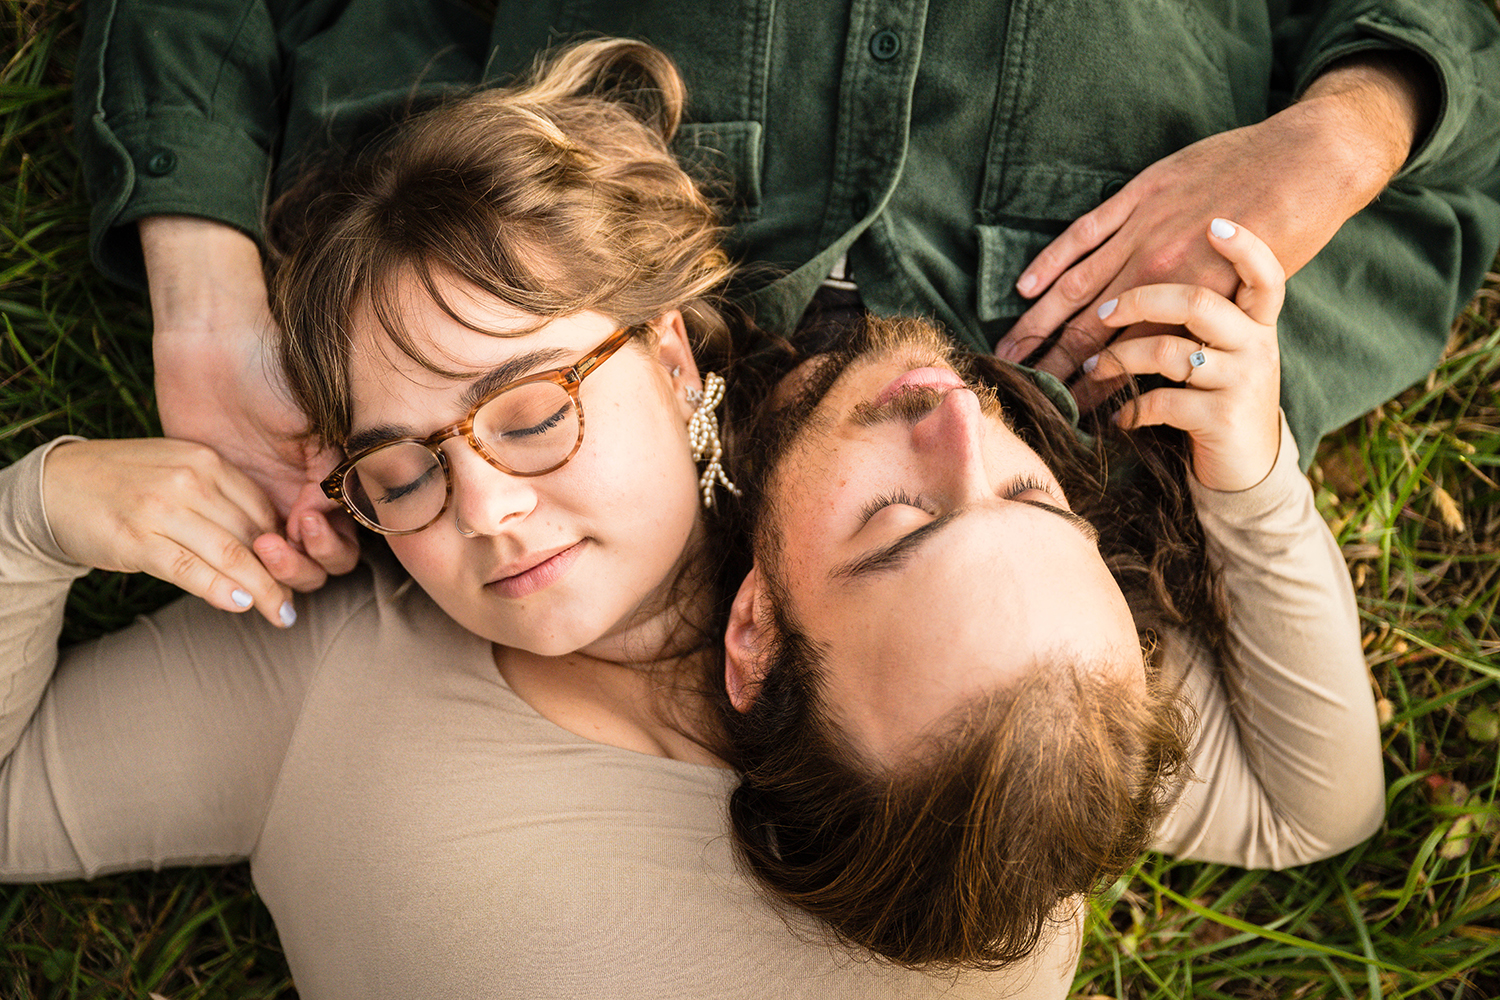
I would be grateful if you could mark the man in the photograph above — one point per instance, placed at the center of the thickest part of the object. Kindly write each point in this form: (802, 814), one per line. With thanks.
(936, 151)
(945, 726)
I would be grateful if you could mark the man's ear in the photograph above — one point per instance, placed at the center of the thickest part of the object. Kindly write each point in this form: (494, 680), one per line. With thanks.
(747, 641)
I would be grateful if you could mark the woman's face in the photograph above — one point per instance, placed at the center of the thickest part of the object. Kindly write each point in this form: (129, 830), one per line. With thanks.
(581, 558)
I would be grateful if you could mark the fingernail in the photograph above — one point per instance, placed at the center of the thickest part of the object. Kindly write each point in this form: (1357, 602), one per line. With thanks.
(312, 524)
(1026, 284)
(1089, 364)
(288, 614)
(1108, 308)
(241, 599)
(1222, 228)
(1114, 418)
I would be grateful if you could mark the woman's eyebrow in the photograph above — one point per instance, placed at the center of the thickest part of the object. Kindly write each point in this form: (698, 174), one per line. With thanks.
(507, 371)
(521, 365)
(889, 557)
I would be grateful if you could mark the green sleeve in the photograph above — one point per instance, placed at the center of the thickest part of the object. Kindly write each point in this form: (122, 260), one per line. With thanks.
(190, 108)
(176, 112)
(1369, 316)
(1458, 39)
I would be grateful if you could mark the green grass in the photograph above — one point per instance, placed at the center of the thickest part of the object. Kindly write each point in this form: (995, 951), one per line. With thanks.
(1413, 913)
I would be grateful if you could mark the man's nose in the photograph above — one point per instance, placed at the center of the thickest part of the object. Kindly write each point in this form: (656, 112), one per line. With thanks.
(486, 499)
(952, 435)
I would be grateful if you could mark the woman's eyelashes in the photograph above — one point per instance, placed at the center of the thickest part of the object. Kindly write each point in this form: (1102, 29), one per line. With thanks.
(899, 497)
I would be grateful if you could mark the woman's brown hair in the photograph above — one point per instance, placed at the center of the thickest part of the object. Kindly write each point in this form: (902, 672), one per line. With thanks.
(1023, 800)
(556, 195)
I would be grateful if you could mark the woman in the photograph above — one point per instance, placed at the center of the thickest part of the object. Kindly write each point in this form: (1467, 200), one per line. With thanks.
(500, 781)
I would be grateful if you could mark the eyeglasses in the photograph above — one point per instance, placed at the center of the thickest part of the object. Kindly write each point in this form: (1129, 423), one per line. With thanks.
(528, 427)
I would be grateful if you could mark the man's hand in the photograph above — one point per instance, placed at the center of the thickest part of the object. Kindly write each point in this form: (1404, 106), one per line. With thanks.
(1293, 179)
(217, 383)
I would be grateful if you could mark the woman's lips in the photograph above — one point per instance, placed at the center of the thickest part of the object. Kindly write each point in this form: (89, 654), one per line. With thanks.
(540, 576)
(931, 378)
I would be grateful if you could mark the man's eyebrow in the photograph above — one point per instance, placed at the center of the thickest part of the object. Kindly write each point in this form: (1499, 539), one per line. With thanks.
(890, 557)
(507, 371)
(1078, 521)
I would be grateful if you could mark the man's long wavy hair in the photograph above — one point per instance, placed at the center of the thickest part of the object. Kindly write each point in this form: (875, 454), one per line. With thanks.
(556, 195)
(1024, 800)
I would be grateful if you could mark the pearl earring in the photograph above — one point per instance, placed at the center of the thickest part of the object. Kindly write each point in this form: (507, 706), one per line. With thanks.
(703, 434)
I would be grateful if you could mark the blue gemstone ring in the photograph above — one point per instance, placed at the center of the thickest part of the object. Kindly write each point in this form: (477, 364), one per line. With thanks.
(1197, 359)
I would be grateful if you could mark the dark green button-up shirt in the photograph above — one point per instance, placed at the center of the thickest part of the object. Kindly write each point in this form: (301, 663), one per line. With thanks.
(940, 143)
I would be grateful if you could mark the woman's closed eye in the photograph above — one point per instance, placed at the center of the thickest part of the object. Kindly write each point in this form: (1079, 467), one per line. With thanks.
(541, 426)
(395, 494)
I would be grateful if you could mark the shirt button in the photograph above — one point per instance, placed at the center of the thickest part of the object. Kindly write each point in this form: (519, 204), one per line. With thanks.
(162, 162)
(861, 205)
(884, 45)
(1111, 188)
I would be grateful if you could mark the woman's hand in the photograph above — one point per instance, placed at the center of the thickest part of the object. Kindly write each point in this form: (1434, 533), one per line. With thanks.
(1231, 374)
(173, 509)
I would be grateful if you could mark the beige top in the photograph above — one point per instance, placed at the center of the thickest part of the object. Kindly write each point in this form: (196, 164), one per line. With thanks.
(418, 830)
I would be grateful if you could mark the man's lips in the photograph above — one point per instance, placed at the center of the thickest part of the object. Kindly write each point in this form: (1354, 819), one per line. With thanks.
(927, 378)
(535, 572)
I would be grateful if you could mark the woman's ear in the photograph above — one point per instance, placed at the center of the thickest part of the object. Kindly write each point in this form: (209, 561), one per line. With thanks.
(746, 641)
(675, 352)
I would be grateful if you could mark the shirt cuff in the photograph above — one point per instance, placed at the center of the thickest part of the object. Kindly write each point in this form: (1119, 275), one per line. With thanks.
(1239, 506)
(169, 164)
(28, 548)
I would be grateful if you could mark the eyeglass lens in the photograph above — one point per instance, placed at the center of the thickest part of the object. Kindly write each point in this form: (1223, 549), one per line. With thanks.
(531, 428)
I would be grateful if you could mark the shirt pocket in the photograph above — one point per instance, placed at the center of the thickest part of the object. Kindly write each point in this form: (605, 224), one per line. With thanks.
(724, 160)
(1091, 92)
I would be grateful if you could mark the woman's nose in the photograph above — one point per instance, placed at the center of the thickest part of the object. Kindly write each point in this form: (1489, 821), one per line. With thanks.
(953, 436)
(486, 499)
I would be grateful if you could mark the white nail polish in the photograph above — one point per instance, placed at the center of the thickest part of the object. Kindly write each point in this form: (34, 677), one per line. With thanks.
(1222, 228)
(241, 599)
(1108, 308)
(1089, 364)
(288, 614)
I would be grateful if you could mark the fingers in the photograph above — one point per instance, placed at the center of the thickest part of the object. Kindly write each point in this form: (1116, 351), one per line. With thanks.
(1210, 317)
(174, 509)
(1262, 278)
(1177, 358)
(287, 565)
(203, 558)
(326, 535)
(1182, 408)
(330, 540)
(1082, 237)
(1071, 300)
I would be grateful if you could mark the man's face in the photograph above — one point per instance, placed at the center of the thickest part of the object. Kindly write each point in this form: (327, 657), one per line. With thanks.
(927, 549)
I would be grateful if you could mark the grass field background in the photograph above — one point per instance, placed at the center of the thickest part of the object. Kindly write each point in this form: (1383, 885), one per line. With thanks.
(1412, 492)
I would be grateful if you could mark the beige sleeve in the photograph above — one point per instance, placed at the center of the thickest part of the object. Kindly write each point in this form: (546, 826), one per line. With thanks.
(1287, 757)
(157, 745)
